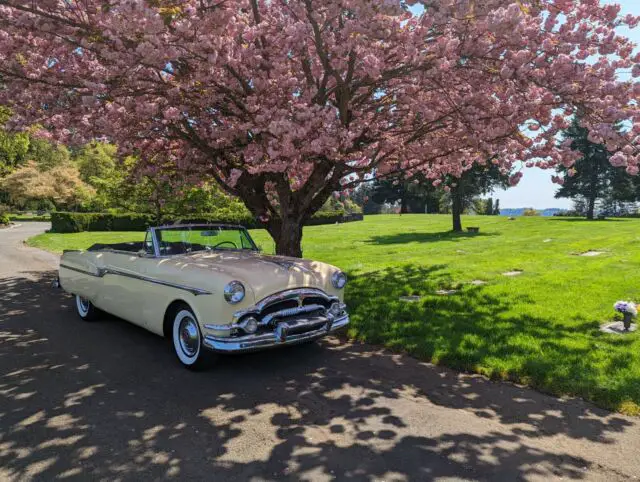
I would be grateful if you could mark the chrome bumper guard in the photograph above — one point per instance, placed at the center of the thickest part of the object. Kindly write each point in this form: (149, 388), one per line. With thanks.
(286, 333)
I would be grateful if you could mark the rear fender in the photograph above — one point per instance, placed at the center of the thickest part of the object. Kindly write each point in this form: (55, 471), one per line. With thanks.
(81, 273)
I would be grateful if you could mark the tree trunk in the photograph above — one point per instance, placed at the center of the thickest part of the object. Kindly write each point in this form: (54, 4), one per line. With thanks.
(593, 192)
(591, 207)
(287, 234)
(404, 208)
(456, 208)
(158, 213)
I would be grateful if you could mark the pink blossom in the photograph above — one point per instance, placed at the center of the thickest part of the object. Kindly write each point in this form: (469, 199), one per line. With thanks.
(172, 113)
(297, 113)
(618, 160)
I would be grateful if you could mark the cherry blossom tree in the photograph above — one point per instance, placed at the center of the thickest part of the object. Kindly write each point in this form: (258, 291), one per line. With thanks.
(285, 101)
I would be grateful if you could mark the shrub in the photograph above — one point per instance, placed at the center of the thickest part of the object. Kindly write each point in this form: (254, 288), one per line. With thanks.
(4, 219)
(130, 222)
(62, 222)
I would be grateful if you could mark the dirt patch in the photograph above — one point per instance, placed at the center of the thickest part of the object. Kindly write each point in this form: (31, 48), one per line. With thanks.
(515, 272)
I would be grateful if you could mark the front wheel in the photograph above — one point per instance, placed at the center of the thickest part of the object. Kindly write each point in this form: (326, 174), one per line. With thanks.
(187, 340)
(85, 309)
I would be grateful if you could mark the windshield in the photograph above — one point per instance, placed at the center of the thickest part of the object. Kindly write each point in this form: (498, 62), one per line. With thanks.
(189, 239)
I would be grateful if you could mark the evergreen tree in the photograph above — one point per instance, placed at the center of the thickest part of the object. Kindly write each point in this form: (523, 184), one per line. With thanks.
(416, 194)
(496, 208)
(477, 180)
(592, 177)
(489, 209)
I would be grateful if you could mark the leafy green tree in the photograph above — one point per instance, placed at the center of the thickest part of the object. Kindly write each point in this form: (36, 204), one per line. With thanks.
(47, 155)
(96, 160)
(60, 186)
(161, 192)
(474, 182)
(362, 196)
(489, 209)
(415, 194)
(13, 147)
(592, 177)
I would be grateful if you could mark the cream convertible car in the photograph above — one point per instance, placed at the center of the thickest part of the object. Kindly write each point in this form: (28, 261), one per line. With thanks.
(207, 288)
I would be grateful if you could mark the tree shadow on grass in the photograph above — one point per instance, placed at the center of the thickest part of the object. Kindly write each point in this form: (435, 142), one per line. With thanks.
(403, 238)
(473, 331)
(106, 400)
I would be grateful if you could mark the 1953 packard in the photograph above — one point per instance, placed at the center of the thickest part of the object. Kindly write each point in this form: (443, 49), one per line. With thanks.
(207, 288)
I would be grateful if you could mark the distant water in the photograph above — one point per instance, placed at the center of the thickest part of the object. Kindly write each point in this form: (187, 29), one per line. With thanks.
(520, 211)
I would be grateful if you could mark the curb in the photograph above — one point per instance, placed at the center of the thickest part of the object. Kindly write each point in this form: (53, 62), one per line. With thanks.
(11, 226)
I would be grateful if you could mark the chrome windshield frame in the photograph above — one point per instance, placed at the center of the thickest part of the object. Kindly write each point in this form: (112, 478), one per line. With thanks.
(156, 242)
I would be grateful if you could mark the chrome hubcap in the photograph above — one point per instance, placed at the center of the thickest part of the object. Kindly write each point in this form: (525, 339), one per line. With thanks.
(84, 304)
(189, 336)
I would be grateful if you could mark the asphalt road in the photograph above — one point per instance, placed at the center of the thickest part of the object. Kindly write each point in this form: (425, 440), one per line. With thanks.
(106, 400)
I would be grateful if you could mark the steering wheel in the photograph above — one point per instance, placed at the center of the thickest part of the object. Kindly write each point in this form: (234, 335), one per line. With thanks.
(226, 242)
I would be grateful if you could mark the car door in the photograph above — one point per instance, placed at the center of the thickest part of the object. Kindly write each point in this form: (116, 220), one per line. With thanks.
(123, 283)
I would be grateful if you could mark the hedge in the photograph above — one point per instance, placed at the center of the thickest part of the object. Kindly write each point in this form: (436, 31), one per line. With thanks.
(62, 222)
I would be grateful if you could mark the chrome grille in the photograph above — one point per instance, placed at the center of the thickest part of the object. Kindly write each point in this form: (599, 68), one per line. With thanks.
(291, 312)
(292, 302)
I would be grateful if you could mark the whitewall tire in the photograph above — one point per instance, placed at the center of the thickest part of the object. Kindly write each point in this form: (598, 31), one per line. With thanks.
(85, 309)
(187, 340)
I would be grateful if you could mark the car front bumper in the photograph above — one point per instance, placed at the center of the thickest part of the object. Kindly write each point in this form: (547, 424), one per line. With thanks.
(283, 335)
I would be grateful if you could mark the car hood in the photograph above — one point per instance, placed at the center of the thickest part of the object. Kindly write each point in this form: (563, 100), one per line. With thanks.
(263, 274)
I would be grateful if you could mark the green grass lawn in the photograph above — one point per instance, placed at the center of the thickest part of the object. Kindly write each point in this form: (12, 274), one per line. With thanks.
(539, 328)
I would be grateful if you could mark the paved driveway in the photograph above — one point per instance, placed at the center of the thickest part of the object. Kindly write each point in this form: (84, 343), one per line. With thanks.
(106, 400)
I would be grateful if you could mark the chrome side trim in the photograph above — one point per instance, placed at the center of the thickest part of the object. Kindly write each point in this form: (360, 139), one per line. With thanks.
(105, 271)
(126, 274)
(270, 340)
(73, 268)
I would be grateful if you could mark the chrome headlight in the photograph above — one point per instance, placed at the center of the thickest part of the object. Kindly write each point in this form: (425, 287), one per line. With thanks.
(338, 280)
(234, 292)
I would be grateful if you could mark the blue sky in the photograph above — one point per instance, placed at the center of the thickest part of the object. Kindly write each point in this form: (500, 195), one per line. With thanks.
(536, 189)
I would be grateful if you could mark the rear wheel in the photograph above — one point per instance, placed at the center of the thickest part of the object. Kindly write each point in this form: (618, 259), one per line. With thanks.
(187, 340)
(85, 309)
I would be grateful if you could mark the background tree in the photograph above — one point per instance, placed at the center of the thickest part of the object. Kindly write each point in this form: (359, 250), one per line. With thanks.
(281, 101)
(415, 195)
(46, 154)
(530, 212)
(60, 186)
(97, 160)
(13, 147)
(593, 177)
(496, 208)
(489, 208)
(362, 196)
(477, 180)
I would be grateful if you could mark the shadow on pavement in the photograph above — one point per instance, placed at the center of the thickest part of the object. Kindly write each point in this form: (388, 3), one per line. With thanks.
(107, 400)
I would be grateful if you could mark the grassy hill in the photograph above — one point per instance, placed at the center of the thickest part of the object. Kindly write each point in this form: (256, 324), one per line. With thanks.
(538, 328)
